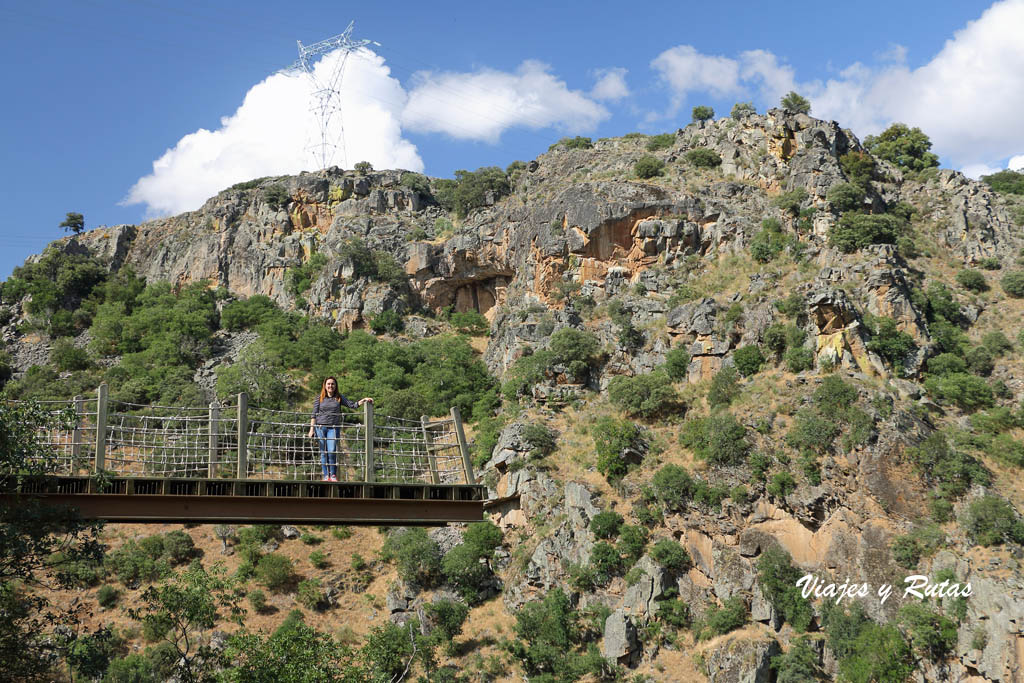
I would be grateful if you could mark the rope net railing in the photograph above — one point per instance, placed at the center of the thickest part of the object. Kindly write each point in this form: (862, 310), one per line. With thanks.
(279, 447)
(67, 437)
(175, 441)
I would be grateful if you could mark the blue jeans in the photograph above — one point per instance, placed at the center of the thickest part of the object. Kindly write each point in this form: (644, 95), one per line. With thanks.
(328, 437)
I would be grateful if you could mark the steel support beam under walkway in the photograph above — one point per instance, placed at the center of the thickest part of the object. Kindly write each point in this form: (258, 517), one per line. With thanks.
(242, 501)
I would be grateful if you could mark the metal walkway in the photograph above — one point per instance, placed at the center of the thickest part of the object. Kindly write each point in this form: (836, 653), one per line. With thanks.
(235, 463)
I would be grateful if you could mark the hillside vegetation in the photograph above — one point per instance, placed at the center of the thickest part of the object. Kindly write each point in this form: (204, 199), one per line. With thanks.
(697, 367)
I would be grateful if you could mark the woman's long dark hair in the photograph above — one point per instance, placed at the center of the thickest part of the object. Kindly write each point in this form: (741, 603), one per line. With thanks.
(323, 389)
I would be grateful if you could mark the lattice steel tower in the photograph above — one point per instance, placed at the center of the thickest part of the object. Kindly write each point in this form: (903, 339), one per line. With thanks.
(326, 96)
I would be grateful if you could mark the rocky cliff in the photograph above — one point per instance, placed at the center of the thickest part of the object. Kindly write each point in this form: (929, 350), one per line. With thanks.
(581, 242)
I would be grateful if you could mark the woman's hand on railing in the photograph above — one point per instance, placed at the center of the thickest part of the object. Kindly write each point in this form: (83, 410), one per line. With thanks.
(364, 400)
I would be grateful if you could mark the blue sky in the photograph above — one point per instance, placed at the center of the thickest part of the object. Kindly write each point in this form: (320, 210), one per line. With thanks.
(97, 91)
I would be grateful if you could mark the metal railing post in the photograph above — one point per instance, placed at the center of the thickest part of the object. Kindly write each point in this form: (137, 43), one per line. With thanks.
(76, 436)
(431, 460)
(368, 472)
(100, 461)
(243, 435)
(214, 427)
(467, 462)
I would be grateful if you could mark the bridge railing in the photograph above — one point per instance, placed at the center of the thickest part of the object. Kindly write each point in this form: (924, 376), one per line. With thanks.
(239, 441)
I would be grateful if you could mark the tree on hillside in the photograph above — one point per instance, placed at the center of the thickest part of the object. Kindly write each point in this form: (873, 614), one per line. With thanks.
(796, 103)
(703, 113)
(74, 222)
(904, 146)
(32, 537)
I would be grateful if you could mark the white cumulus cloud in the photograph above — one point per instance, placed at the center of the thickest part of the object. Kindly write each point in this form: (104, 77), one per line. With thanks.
(481, 105)
(1016, 163)
(274, 132)
(610, 85)
(967, 98)
(686, 70)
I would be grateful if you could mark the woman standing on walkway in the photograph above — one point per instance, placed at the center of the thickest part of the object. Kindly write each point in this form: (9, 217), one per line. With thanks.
(326, 424)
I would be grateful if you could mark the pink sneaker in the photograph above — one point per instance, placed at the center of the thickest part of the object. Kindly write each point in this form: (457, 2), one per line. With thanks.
(334, 478)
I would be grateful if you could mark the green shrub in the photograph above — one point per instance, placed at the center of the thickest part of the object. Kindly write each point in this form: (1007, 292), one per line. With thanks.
(659, 142)
(606, 524)
(276, 572)
(932, 634)
(276, 196)
(632, 541)
(702, 113)
(612, 438)
(416, 182)
(857, 230)
(470, 322)
(776, 339)
(576, 349)
(954, 472)
(795, 103)
(721, 620)
(799, 664)
(671, 556)
(906, 147)
(247, 313)
(540, 439)
(447, 617)
(741, 110)
(781, 485)
(646, 396)
(107, 596)
(673, 486)
(769, 242)
(846, 196)
(605, 562)
(1013, 283)
(858, 167)
(546, 631)
(68, 357)
(258, 600)
(677, 363)
(792, 306)
(971, 280)
(318, 559)
(462, 568)
(573, 143)
(702, 157)
(967, 391)
(417, 556)
(790, 201)
(997, 343)
(888, 341)
(748, 360)
(720, 439)
(387, 322)
(471, 189)
(992, 521)
(178, 547)
(980, 361)
(724, 387)
(946, 363)
(799, 359)
(648, 167)
(1005, 181)
(778, 578)
(309, 594)
(675, 613)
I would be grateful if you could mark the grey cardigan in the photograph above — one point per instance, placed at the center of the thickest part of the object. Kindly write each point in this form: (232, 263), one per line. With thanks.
(328, 411)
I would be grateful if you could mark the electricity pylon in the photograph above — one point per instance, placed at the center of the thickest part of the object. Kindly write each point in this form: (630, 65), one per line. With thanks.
(326, 95)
